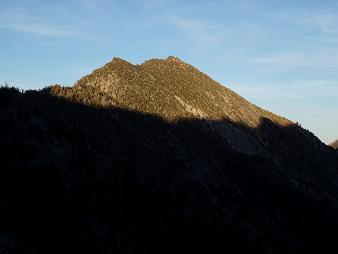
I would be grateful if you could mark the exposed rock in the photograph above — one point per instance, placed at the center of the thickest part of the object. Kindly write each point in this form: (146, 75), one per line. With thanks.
(334, 144)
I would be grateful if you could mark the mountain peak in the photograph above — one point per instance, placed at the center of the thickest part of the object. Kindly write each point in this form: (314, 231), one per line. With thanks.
(174, 59)
(172, 90)
(118, 60)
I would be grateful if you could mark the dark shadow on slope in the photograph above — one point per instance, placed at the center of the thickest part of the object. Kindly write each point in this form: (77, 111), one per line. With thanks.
(80, 179)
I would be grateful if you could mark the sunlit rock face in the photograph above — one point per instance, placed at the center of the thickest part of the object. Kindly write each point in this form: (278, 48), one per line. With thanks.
(172, 89)
(334, 144)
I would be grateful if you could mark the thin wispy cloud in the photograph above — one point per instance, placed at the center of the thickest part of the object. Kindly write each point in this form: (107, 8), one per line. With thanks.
(155, 5)
(19, 20)
(324, 22)
(301, 89)
(299, 60)
(42, 29)
(206, 35)
(190, 24)
(201, 34)
(327, 23)
(92, 5)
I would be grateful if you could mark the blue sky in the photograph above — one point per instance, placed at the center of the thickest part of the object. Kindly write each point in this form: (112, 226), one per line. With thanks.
(280, 55)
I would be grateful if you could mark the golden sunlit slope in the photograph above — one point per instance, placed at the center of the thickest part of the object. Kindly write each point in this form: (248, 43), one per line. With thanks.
(173, 90)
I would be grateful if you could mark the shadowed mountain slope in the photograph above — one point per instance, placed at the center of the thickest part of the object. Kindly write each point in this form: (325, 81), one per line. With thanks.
(159, 158)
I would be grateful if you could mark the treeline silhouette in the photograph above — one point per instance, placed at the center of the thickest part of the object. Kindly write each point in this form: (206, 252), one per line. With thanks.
(84, 179)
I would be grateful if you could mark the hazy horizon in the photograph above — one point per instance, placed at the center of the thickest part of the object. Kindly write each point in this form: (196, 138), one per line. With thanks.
(280, 56)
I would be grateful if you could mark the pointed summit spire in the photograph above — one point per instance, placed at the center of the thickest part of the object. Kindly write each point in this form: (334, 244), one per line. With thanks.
(118, 60)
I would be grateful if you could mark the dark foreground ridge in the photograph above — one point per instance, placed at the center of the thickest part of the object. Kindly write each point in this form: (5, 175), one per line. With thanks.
(89, 177)
(93, 180)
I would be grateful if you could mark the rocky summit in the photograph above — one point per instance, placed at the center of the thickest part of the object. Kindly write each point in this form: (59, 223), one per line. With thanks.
(172, 90)
(159, 158)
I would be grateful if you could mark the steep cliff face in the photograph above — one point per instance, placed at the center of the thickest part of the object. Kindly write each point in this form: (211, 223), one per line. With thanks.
(159, 158)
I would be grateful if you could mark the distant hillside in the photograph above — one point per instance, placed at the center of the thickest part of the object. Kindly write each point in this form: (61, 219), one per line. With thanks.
(334, 144)
(159, 158)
